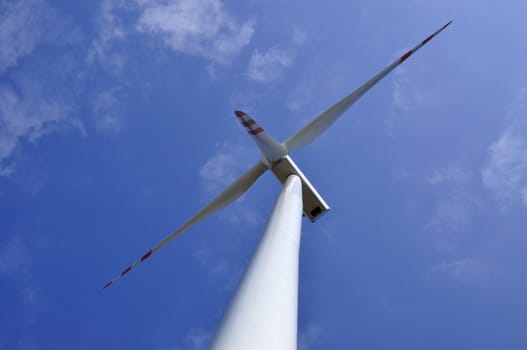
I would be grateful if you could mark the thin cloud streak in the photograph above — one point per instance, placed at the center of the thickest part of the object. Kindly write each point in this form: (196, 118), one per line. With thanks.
(450, 175)
(466, 271)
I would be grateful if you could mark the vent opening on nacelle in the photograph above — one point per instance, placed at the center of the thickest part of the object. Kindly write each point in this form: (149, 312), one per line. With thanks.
(315, 211)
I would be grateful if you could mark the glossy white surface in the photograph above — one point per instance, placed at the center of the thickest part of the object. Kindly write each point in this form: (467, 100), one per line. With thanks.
(263, 312)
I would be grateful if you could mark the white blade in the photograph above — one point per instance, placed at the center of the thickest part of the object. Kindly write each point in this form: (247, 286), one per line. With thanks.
(316, 127)
(232, 193)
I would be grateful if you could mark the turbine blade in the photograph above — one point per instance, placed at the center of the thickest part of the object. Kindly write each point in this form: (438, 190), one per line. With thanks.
(317, 126)
(271, 148)
(235, 190)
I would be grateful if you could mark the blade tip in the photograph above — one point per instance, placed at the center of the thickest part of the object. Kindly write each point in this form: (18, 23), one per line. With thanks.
(239, 113)
(107, 285)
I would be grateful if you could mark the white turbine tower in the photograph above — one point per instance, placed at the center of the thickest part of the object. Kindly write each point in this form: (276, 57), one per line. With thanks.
(263, 312)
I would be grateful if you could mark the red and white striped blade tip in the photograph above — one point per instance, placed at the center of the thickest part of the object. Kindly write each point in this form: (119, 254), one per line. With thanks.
(412, 51)
(129, 268)
(239, 113)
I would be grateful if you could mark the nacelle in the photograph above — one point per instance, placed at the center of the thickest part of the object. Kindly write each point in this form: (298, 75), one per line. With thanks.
(314, 204)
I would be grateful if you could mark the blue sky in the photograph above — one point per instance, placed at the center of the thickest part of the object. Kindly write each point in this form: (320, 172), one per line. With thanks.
(116, 125)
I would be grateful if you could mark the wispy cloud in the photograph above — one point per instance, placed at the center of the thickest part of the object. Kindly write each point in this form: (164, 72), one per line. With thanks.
(107, 111)
(15, 264)
(14, 259)
(28, 110)
(195, 339)
(505, 172)
(201, 28)
(198, 338)
(308, 336)
(26, 113)
(299, 96)
(110, 28)
(300, 36)
(28, 342)
(451, 220)
(268, 66)
(450, 175)
(456, 206)
(221, 271)
(405, 94)
(219, 171)
(408, 95)
(23, 26)
(452, 230)
(27, 24)
(465, 271)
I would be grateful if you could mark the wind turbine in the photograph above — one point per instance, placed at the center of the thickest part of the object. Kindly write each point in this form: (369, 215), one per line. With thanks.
(263, 312)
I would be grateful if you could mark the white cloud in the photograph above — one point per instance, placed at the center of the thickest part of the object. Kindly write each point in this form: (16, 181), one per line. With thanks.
(26, 111)
(197, 27)
(222, 168)
(505, 172)
(27, 24)
(268, 66)
(27, 114)
(107, 53)
(22, 28)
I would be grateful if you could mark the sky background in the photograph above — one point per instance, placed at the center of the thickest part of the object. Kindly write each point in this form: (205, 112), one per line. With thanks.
(116, 126)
